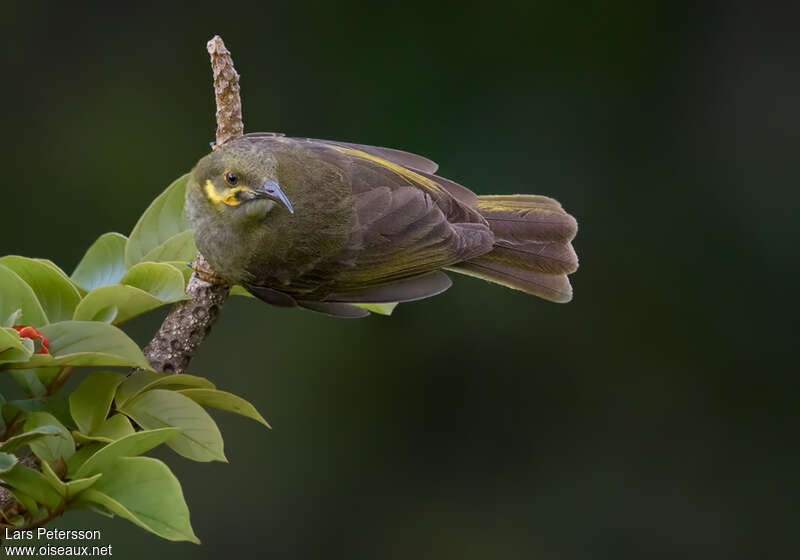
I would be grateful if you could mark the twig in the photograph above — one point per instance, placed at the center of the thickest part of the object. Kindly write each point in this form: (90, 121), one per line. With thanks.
(189, 322)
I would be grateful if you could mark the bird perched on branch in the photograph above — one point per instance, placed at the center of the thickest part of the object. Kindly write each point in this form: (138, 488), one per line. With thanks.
(324, 225)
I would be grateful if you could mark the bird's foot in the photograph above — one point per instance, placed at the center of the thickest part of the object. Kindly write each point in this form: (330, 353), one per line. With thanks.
(205, 273)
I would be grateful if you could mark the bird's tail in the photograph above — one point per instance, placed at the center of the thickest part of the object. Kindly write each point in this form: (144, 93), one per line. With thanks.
(532, 250)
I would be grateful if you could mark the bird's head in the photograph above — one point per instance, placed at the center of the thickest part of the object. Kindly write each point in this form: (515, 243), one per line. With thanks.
(239, 181)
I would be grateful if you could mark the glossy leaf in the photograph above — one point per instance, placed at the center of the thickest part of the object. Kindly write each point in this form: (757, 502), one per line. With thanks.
(179, 247)
(7, 462)
(183, 267)
(13, 348)
(34, 484)
(163, 219)
(128, 446)
(80, 457)
(29, 381)
(58, 485)
(160, 280)
(103, 264)
(27, 502)
(141, 381)
(82, 439)
(115, 304)
(53, 447)
(30, 436)
(84, 343)
(112, 429)
(379, 308)
(69, 489)
(56, 294)
(199, 439)
(90, 402)
(56, 405)
(115, 427)
(224, 401)
(144, 491)
(58, 270)
(75, 487)
(11, 320)
(240, 291)
(16, 295)
(47, 374)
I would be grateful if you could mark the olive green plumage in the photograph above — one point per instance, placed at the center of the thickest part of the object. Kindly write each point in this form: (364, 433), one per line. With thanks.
(325, 224)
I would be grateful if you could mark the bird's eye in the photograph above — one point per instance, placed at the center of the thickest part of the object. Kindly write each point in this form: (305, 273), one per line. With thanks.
(231, 178)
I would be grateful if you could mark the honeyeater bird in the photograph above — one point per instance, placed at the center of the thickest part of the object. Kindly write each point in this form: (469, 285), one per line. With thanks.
(324, 225)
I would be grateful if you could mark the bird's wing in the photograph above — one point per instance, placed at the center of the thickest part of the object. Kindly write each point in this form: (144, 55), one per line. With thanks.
(406, 159)
(407, 224)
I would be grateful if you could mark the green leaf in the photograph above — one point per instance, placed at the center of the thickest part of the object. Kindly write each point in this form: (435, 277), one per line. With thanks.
(47, 374)
(114, 428)
(103, 264)
(141, 381)
(224, 401)
(86, 343)
(28, 437)
(7, 462)
(34, 484)
(83, 439)
(179, 247)
(379, 308)
(134, 384)
(71, 489)
(163, 219)
(97, 508)
(80, 457)
(14, 349)
(58, 485)
(128, 446)
(115, 304)
(26, 501)
(56, 405)
(53, 447)
(144, 491)
(11, 320)
(57, 295)
(199, 440)
(2, 418)
(160, 280)
(240, 291)
(75, 487)
(183, 267)
(90, 402)
(29, 381)
(17, 294)
(57, 269)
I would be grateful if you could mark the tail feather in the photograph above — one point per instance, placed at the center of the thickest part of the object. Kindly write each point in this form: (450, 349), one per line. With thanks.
(521, 219)
(533, 250)
(552, 287)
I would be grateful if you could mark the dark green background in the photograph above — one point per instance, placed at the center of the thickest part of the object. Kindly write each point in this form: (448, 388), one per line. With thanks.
(654, 416)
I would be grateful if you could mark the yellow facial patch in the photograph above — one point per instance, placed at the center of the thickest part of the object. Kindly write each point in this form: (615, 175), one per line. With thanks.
(229, 198)
(431, 186)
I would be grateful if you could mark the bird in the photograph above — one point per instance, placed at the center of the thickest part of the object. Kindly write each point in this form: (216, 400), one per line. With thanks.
(327, 225)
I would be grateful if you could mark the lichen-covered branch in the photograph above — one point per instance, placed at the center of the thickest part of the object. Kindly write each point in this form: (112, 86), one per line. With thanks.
(184, 329)
(226, 91)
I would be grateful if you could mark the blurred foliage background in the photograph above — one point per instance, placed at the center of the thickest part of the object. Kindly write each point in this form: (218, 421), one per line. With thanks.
(653, 416)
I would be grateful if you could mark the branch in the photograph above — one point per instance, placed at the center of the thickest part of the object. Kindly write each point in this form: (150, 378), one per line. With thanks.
(189, 322)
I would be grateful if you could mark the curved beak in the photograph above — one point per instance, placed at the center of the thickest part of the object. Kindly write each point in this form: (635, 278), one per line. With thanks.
(272, 191)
